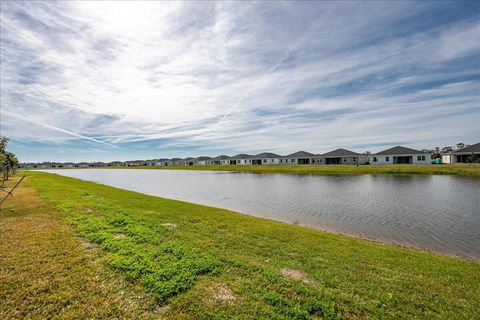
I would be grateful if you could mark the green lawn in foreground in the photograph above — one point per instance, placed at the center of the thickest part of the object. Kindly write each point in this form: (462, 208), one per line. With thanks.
(452, 169)
(201, 262)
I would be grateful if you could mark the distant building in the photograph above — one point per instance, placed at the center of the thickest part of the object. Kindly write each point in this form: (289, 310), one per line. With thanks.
(264, 158)
(239, 159)
(342, 156)
(464, 155)
(401, 155)
(221, 160)
(202, 160)
(300, 157)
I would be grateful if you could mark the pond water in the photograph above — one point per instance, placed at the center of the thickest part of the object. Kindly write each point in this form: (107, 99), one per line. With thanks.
(439, 213)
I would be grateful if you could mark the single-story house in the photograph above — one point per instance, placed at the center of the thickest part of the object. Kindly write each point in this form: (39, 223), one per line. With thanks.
(115, 164)
(341, 156)
(401, 155)
(83, 165)
(468, 154)
(69, 165)
(239, 159)
(222, 159)
(203, 160)
(161, 162)
(98, 164)
(300, 157)
(264, 158)
(175, 162)
(188, 161)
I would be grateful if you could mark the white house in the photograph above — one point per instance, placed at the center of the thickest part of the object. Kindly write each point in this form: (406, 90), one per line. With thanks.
(221, 160)
(239, 159)
(300, 157)
(401, 155)
(264, 158)
(202, 160)
(468, 154)
(188, 161)
(342, 156)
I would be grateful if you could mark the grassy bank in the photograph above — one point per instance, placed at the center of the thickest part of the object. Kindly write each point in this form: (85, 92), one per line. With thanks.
(454, 169)
(181, 260)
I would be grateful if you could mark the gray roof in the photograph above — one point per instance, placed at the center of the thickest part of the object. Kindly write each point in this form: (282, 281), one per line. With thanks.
(241, 156)
(221, 157)
(300, 154)
(473, 148)
(400, 151)
(265, 155)
(203, 158)
(340, 153)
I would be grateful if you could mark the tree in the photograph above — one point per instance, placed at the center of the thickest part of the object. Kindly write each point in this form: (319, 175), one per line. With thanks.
(8, 160)
(446, 150)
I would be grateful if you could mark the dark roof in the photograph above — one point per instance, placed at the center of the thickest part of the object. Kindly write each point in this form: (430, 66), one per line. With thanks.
(241, 156)
(340, 153)
(265, 155)
(175, 159)
(203, 158)
(222, 157)
(473, 148)
(301, 154)
(399, 150)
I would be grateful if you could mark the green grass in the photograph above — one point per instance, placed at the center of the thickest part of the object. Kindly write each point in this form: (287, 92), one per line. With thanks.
(195, 262)
(429, 169)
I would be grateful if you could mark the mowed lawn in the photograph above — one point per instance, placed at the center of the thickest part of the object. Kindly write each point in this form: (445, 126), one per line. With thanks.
(472, 170)
(76, 249)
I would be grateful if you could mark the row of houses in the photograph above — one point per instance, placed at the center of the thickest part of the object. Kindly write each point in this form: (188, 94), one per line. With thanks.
(395, 155)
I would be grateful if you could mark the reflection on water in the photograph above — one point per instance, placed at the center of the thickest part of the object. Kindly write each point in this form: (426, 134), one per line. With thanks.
(441, 213)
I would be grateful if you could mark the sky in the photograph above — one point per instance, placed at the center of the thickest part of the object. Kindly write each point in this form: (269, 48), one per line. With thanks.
(104, 81)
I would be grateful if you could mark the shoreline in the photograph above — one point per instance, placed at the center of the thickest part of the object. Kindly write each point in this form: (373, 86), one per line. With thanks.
(463, 170)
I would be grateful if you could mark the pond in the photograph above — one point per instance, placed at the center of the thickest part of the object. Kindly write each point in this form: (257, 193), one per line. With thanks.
(438, 213)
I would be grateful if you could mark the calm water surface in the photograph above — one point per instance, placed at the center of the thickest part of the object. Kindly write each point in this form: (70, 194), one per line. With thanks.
(440, 213)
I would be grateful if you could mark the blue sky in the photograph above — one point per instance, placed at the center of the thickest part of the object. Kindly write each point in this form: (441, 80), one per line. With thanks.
(84, 81)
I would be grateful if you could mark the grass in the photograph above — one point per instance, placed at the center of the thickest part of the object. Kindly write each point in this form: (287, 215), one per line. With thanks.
(429, 169)
(186, 261)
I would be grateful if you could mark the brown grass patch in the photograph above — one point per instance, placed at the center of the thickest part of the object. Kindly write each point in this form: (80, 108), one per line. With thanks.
(295, 274)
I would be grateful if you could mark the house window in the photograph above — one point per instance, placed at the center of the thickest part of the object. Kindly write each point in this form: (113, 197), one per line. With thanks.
(292, 160)
(374, 159)
(344, 159)
(354, 158)
(419, 158)
(387, 159)
(423, 158)
(264, 160)
(249, 161)
(271, 160)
